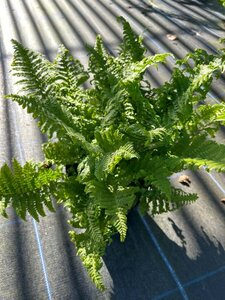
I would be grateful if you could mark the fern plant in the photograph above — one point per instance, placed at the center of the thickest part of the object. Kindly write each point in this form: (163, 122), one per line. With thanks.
(117, 142)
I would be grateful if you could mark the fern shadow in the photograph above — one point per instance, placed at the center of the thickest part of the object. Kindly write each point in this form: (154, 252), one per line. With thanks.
(207, 6)
(138, 271)
(194, 12)
(135, 265)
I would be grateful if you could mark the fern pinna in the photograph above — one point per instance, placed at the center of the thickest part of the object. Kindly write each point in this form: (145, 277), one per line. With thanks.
(117, 142)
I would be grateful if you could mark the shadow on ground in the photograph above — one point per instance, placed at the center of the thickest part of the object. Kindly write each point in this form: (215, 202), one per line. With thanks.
(138, 271)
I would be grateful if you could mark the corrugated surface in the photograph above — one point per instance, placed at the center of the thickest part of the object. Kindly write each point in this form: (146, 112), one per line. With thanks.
(175, 256)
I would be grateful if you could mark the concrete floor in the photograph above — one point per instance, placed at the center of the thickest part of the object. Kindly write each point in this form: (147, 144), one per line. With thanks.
(178, 255)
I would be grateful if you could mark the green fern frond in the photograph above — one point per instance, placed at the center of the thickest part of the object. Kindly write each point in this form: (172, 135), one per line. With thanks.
(70, 72)
(92, 261)
(209, 164)
(100, 193)
(135, 70)
(36, 72)
(202, 152)
(120, 222)
(155, 134)
(161, 182)
(206, 119)
(200, 85)
(71, 193)
(220, 116)
(166, 98)
(124, 198)
(158, 203)
(110, 160)
(57, 152)
(109, 139)
(136, 132)
(56, 111)
(94, 230)
(27, 188)
(99, 62)
(180, 198)
(109, 199)
(157, 170)
(131, 48)
(173, 163)
(53, 118)
(113, 108)
(178, 96)
(145, 112)
(143, 137)
(195, 59)
(209, 113)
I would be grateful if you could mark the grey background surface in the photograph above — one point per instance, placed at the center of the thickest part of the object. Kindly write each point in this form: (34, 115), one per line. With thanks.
(176, 255)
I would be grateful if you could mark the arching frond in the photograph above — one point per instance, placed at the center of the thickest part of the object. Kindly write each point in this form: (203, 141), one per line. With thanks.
(110, 160)
(135, 70)
(70, 72)
(27, 188)
(92, 261)
(99, 61)
(159, 204)
(131, 48)
(120, 222)
(35, 71)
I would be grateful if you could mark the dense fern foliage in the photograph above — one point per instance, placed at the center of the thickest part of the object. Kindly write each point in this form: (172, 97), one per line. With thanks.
(117, 142)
